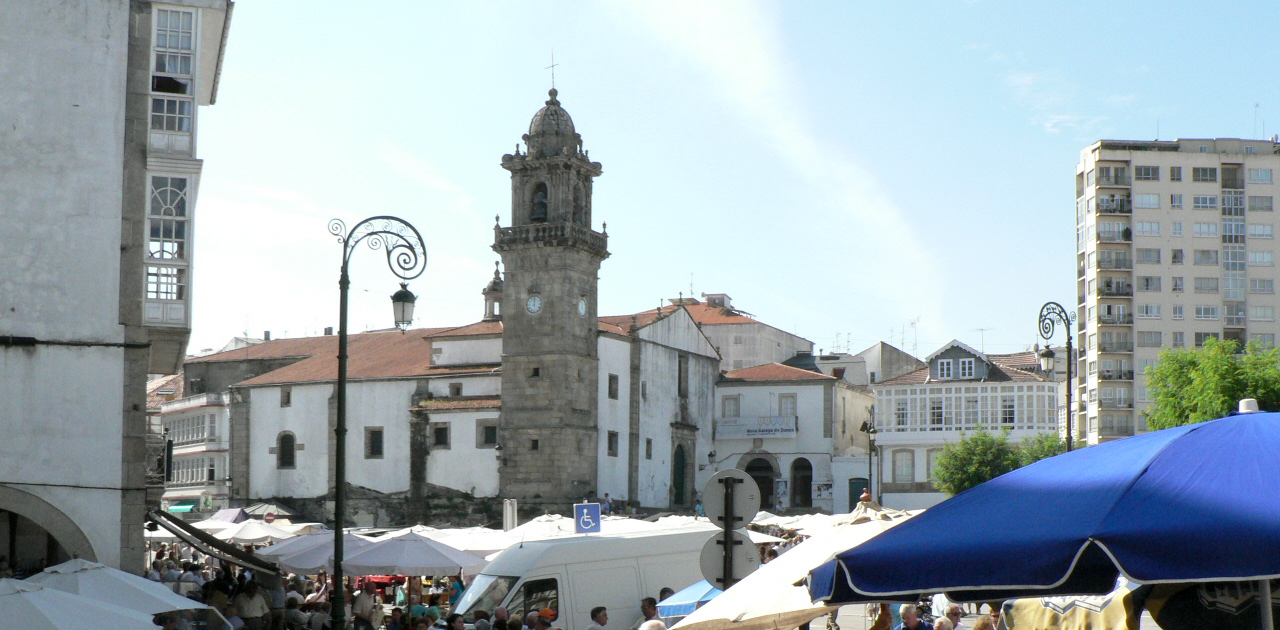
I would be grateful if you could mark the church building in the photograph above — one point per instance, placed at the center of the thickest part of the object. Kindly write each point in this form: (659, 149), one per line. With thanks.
(542, 400)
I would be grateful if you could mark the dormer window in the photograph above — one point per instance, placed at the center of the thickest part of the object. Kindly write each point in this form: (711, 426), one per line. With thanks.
(966, 368)
(944, 368)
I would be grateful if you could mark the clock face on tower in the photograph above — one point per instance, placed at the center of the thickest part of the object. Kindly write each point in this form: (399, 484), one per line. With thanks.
(533, 304)
(582, 306)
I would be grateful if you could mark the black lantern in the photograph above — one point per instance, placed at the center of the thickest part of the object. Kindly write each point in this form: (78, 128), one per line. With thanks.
(402, 304)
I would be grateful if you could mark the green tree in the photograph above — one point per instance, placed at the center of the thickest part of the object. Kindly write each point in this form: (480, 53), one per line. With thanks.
(978, 457)
(1190, 385)
(1034, 449)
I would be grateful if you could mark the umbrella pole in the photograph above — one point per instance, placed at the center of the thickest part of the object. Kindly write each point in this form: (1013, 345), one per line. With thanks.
(1264, 602)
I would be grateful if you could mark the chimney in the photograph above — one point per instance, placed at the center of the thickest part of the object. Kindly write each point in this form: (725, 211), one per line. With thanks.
(266, 335)
(328, 330)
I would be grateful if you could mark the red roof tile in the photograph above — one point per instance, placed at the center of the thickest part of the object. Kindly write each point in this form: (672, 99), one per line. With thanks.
(1000, 373)
(478, 328)
(172, 385)
(776, 372)
(459, 403)
(701, 312)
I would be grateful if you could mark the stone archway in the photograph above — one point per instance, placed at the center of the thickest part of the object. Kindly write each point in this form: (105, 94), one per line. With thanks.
(763, 467)
(53, 520)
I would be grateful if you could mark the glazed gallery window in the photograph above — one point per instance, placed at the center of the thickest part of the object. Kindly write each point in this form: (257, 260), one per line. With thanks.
(166, 283)
(167, 218)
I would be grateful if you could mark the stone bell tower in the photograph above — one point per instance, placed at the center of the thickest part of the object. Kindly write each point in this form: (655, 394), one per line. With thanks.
(548, 427)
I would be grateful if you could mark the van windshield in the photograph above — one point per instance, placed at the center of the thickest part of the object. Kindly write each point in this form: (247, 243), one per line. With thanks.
(485, 593)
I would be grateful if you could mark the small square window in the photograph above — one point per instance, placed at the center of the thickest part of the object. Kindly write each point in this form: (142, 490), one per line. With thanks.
(535, 372)
(373, 442)
(1175, 173)
(613, 444)
(486, 433)
(286, 396)
(455, 389)
(440, 435)
(533, 445)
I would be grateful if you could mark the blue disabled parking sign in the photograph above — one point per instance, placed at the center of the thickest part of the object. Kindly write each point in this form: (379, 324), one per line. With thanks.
(586, 518)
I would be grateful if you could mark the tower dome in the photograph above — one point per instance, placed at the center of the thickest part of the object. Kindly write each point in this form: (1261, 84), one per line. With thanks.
(551, 130)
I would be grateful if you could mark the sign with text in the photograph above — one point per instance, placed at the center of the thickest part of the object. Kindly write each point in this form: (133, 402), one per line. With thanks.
(758, 427)
(586, 518)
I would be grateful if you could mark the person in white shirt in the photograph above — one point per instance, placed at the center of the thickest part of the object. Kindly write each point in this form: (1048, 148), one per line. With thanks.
(599, 618)
(362, 609)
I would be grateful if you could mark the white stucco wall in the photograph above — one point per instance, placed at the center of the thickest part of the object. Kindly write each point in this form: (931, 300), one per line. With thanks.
(745, 345)
(762, 400)
(467, 351)
(472, 385)
(62, 115)
(379, 404)
(461, 466)
(614, 415)
(308, 418)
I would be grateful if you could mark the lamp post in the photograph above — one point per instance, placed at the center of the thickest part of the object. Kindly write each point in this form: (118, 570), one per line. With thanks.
(869, 427)
(1052, 314)
(407, 258)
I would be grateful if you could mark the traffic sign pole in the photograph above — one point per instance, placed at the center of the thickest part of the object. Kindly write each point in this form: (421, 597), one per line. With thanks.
(727, 525)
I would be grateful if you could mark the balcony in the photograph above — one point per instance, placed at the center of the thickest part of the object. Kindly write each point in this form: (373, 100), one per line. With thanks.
(1116, 375)
(1115, 205)
(551, 234)
(1118, 403)
(1231, 182)
(1115, 430)
(1115, 346)
(1080, 272)
(1115, 290)
(757, 427)
(1114, 180)
(1116, 264)
(1118, 236)
(1118, 319)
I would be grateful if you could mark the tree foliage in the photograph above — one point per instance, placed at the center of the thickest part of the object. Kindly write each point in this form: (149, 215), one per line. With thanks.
(1190, 385)
(981, 456)
(978, 457)
(1034, 449)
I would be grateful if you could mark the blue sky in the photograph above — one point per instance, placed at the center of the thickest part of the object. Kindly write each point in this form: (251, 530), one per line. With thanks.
(837, 168)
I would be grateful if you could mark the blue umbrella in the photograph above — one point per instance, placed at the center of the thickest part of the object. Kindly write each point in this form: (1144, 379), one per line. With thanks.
(689, 599)
(1190, 504)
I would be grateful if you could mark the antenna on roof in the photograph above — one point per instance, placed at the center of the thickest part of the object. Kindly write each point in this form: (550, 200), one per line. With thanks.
(982, 343)
(915, 337)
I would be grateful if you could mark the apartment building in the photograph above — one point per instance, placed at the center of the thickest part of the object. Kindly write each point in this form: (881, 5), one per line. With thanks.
(1175, 243)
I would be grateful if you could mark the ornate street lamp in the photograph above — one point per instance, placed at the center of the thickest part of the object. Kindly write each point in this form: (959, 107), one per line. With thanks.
(407, 258)
(1052, 314)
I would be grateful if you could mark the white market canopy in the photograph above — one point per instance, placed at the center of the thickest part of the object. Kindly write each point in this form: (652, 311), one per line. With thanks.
(113, 586)
(410, 554)
(319, 557)
(769, 598)
(28, 606)
(252, 532)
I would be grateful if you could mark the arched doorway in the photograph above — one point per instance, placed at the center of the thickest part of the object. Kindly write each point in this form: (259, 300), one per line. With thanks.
(35, 534)
(801, 483)
(763, 472)
(678, 471)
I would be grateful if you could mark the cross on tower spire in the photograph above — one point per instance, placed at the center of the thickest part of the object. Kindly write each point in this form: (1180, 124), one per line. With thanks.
(552, 68)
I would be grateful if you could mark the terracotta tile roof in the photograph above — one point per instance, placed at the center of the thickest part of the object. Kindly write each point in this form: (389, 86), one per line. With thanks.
(776, 372)
(478, 328)
(1000, 373)
(701, 312)
(1026, 360)
(276, 349)
(155, 386)
(389, 354)
(460, 403)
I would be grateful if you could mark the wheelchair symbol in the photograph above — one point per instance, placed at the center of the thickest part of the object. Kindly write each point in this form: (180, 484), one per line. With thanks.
(586, 521)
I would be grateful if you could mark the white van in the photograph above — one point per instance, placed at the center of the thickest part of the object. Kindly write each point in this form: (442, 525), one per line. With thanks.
(573, 575)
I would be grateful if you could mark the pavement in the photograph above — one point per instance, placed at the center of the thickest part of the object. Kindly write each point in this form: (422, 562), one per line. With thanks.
(854, 617)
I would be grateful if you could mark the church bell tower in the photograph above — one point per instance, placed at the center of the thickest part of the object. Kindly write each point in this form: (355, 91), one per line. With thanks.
(548, 427)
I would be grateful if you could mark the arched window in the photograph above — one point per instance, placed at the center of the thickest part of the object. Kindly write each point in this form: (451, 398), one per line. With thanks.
(538, 204)
(678, 466)
(580, 206)
(286, 450)
(762, 471)
(801, 483)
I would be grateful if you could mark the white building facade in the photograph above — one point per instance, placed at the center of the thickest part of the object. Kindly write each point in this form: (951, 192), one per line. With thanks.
(1175, 244)
(197, 432)
(784, 425)
(961, 390)
(97, 257)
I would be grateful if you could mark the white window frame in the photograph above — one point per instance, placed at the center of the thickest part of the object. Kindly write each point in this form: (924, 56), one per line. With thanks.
(1262, 258)
(1146, 200)
(1261, 230)
(966, 368)
(1260, 176)
(944, 369)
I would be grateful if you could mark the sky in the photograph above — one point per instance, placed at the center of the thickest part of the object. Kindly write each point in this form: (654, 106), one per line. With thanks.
(841, 169)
